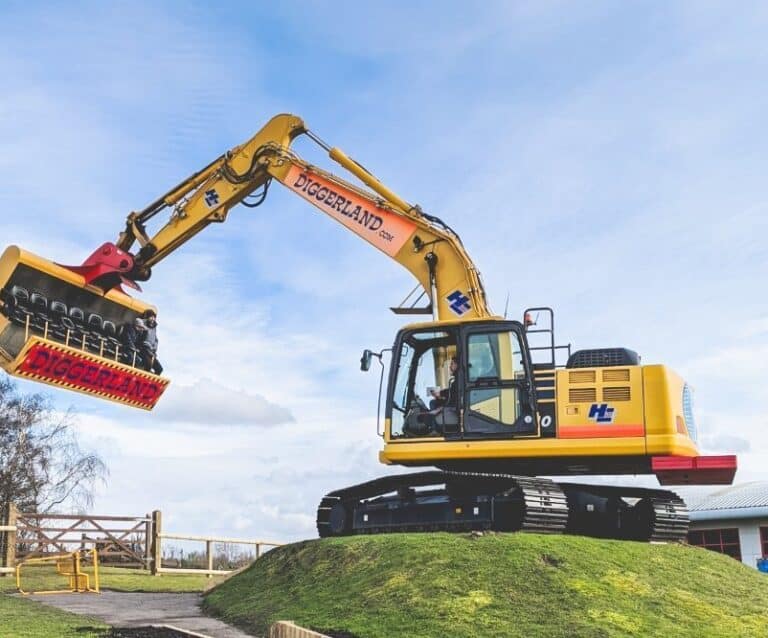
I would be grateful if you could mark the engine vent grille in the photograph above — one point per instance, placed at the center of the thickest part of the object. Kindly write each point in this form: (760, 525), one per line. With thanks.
(616, 394)
(582, 395)
(603, 358)
(582, 376)
(615, 375)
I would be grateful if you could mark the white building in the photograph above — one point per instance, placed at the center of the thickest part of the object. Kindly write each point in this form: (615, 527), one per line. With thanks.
(733, 521)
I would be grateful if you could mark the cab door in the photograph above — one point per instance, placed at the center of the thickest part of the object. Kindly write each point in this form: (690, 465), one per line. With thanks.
(499, 399)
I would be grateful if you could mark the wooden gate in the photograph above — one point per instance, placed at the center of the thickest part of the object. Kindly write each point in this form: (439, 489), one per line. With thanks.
(120, 540)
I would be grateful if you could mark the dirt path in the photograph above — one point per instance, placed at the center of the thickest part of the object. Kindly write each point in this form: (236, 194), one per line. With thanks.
(133, 610)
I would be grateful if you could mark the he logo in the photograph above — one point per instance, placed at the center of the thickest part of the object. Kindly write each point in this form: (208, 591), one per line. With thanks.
(601, 413)
(459, 302)
(211, 198)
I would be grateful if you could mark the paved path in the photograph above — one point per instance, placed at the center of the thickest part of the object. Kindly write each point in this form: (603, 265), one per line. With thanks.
(132, 610)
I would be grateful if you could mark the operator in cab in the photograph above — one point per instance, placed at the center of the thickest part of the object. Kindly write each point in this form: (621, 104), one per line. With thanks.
(443, 407)
(447, 397)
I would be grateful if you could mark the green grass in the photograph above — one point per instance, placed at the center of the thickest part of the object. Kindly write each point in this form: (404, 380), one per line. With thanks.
(23, 618)
(114, 578)
(505, 585)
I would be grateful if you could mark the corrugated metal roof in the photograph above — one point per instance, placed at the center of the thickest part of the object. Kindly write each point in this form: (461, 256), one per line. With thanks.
(746, 495)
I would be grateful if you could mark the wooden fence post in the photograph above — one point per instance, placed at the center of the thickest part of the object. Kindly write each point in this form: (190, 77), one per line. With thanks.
(148, 542)
(209, 556)
(157, 542)
(8, 548)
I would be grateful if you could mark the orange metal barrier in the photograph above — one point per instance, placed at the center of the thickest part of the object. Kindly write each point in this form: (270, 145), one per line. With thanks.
(68, 566)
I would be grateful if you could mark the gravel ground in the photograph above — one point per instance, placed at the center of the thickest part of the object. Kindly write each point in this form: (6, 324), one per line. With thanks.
(136, 611)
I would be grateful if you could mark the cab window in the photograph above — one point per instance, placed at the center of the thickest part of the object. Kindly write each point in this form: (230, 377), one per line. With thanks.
(497, 399)
(419, 404)
(495, 356)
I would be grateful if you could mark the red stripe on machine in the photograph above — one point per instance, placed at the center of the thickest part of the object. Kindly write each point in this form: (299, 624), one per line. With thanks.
(600, 431)
(75, 370)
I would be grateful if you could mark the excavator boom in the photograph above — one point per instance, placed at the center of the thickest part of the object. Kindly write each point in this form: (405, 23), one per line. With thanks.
(421, 243)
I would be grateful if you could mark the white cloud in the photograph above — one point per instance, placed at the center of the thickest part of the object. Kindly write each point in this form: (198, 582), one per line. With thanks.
(213, 404)
(747, 363)
(725, 443)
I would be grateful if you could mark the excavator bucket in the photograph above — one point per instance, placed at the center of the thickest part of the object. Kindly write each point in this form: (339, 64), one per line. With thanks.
(58, 329)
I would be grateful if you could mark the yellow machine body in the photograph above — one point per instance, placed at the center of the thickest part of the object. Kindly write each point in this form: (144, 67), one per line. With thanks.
(647, 419)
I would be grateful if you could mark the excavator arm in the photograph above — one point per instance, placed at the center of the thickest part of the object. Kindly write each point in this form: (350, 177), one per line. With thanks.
(204, 198)
(421, 243)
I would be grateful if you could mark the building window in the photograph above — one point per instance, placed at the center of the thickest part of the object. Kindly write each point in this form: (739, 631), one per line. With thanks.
(764, 541)
(725, 541)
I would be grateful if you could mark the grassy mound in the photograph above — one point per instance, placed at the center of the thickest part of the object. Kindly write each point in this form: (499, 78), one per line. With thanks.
(436, 585)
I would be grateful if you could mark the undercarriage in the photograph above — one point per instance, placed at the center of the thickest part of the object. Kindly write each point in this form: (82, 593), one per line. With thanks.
(462, 501)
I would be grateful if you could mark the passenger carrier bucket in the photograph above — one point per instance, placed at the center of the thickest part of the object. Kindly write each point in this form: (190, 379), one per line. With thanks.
(56, 329)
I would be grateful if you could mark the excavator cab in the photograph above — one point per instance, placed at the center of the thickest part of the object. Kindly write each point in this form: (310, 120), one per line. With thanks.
(58, 329)
(462, 381)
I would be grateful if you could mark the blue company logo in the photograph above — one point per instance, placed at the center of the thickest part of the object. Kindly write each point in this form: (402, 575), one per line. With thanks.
(458, 302)
(211, 198)
(601, 413)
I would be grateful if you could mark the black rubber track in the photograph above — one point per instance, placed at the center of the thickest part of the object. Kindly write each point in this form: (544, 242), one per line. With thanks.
(540, 504)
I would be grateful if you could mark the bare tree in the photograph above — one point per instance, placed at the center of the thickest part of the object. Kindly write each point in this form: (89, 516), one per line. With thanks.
(41, 463)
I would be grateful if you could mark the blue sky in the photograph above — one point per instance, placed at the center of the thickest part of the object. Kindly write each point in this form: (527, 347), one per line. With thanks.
(607, 160)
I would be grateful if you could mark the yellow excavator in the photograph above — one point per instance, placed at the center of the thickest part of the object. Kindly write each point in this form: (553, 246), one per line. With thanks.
(482, 398)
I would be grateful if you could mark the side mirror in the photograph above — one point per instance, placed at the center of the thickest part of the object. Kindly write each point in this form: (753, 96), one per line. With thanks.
(365, 360)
